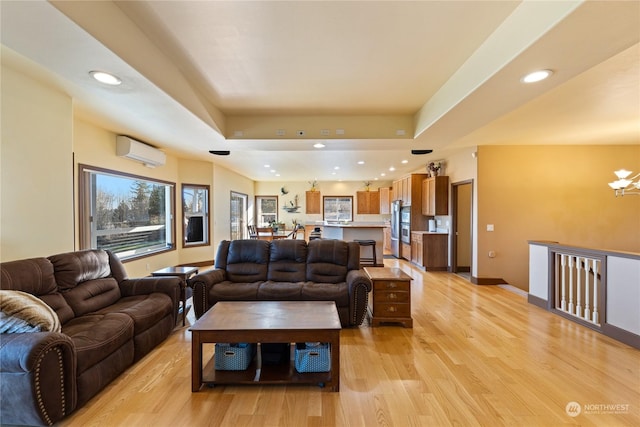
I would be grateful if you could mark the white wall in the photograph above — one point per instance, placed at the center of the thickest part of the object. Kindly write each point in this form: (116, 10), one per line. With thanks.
(326, 188)
(36, 194)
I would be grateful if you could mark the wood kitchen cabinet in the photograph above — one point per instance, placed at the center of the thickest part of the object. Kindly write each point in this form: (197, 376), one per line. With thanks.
(435, 196)
(386, 250)
(430, 250)
(385, 200)
(368, 202)
(313, 202)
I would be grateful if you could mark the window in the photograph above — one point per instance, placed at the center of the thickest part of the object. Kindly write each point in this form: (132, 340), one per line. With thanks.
(195, 215)
(266, 210)
(127, 214)
(338, 208)
(238, 216)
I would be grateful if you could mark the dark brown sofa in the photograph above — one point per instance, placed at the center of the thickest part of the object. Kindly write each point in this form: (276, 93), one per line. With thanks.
(286, 270)
(108, 322)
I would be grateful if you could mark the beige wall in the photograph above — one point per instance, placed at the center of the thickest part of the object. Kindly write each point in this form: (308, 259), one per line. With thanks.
(557, 193)
(37, 169)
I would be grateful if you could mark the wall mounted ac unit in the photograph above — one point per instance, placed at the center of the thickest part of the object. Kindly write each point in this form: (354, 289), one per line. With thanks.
(139, 151)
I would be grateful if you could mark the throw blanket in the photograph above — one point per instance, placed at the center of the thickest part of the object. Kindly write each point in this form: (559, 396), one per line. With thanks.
(23, 312)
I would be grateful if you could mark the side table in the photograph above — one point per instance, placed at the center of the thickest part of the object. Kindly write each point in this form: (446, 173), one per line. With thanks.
(184, 273)
(391, 301)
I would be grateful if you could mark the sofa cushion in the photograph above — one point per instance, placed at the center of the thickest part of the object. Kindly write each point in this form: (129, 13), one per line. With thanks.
(327, 261)
(287, 261)
(144, 310)
(247, 261)
(336, 292)
(73, 268)
(35, 276)
(232, 291)
(96, 336)
(280, 291)
(92, 295)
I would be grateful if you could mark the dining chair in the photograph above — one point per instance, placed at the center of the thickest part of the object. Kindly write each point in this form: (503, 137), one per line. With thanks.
(253, 234)
(265, 233)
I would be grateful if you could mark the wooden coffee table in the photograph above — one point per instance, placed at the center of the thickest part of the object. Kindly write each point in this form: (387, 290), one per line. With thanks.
(266, 322)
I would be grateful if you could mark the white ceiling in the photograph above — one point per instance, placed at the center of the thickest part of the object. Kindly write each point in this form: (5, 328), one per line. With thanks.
(247, 76)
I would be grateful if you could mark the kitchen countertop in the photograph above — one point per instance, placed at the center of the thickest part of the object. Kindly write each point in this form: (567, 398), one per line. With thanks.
(355, 225)
(430, 232)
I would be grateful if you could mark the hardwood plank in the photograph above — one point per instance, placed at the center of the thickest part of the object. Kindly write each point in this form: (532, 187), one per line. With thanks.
(476, 356)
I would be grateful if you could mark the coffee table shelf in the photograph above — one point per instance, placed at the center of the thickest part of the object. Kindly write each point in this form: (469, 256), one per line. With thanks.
(283, 373)
(266, 322)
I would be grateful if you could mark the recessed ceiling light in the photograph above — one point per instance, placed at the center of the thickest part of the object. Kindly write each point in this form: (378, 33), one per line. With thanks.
(361, 162)
(267, 166)
(106, 78)
(336, 167)
(319, 145)
(277, 174)
(391, 169)
(404, 162)
(272, 170)
(383, 174)
(536, 76)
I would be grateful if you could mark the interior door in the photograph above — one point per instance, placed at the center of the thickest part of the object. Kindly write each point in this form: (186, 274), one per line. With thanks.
(462, 214)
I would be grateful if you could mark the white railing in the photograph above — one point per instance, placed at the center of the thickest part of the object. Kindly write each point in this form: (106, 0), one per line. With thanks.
(577, 285)
(599, 289)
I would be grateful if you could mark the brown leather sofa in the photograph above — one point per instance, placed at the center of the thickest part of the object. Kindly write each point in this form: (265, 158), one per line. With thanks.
(108, 322)
(286, 270)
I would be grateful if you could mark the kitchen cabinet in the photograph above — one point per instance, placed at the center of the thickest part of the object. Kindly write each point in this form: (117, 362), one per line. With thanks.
(313, 202)
(435, 196)
(385, 200)
(430, 250)
(386, 248)
(405, 251)
(410, 187)
(368, 202)
(396, 189)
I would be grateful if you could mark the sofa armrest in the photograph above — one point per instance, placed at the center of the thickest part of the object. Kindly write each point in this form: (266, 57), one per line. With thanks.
(359, 286)
(170, 285)
(202, 284)
(37, 378)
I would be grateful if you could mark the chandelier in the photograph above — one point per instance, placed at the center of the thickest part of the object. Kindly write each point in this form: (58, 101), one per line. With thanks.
(622, 183)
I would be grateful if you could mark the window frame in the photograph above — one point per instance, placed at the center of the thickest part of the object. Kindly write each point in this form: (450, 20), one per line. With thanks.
(258, 210)
(205, 216)
(334, 200)
(85, 206)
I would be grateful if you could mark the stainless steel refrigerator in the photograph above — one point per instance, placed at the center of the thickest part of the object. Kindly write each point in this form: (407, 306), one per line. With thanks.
(395, 228)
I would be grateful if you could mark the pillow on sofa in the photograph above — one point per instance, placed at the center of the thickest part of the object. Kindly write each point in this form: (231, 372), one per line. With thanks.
(23, 312)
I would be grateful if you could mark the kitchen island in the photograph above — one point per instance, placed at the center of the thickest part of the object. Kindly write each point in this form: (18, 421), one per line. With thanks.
(358, 231)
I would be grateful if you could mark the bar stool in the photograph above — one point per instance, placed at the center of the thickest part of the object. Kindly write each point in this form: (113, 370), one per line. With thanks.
(368, 260)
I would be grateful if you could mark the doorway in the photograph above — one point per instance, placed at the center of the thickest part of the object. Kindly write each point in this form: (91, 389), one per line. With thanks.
(462, 228)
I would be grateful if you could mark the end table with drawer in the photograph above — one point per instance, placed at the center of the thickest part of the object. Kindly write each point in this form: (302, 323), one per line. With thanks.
(184, 273)
(391, 300)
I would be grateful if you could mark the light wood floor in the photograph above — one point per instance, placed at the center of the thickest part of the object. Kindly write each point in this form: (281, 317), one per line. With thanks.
(477, 355)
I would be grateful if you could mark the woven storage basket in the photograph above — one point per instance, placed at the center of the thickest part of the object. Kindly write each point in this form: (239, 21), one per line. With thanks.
(233, 357)
(313, 358)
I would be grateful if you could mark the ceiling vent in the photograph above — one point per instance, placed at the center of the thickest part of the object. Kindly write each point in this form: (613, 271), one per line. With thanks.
(139, 151)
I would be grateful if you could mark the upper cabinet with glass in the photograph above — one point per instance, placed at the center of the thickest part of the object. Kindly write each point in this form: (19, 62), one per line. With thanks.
(195, 214)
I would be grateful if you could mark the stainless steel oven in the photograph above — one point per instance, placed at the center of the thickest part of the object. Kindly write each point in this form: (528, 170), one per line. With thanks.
(405, 233)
